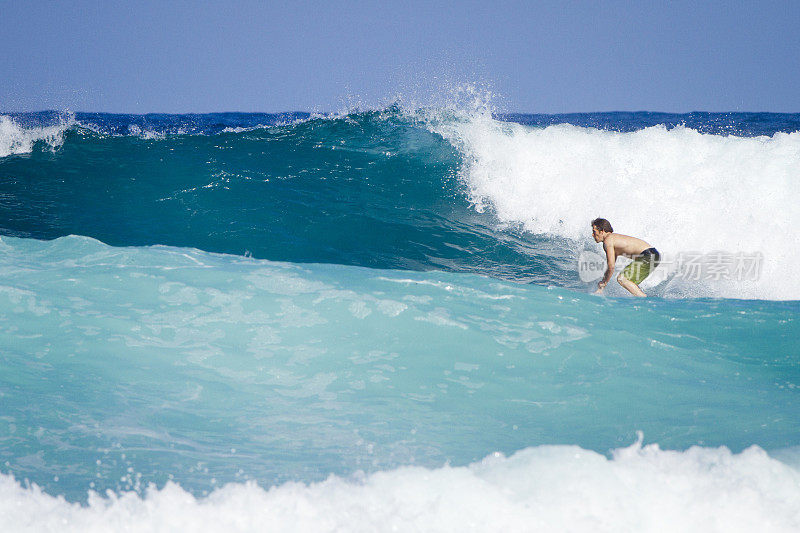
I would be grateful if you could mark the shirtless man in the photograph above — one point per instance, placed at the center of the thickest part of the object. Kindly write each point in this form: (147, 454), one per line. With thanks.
(645, 258)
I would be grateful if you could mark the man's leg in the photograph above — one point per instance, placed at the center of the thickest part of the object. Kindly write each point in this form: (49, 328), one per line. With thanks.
(631, 286)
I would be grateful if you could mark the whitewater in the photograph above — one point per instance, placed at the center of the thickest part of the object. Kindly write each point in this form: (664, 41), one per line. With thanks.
(377, 321)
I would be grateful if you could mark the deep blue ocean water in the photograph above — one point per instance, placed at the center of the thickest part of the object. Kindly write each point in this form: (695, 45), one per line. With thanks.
(202, 300)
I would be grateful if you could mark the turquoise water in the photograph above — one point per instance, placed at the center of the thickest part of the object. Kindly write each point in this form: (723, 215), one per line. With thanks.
(353, 296)
(186, 365)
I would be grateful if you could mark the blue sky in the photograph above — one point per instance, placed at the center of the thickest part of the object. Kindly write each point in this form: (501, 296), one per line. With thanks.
(547, 57)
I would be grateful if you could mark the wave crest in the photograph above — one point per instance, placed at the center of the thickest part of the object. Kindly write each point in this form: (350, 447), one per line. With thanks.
(17, 139)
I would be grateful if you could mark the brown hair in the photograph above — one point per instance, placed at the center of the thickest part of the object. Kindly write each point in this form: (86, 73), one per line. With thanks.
(602, 224)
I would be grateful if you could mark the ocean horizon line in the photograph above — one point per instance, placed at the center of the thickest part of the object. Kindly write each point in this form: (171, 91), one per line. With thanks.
(357, 109)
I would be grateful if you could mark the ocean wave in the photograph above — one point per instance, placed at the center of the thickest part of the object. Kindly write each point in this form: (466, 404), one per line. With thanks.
(546, 488)
(682, 190)
(448, 187)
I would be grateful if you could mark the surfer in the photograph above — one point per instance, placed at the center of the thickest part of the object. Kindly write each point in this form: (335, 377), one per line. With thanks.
(645, 257)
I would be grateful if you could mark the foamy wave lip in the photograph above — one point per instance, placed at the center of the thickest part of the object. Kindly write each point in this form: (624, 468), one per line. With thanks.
(16, 139)
(137, 131)
(547, 488)
(681, 190)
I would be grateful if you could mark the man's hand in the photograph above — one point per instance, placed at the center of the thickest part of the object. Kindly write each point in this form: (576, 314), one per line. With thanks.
(600, 286)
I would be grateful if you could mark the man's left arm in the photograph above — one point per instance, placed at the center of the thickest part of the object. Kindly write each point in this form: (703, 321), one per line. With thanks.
(611, 258)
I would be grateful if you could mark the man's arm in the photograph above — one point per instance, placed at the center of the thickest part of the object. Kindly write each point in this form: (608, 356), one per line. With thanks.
(611, 257)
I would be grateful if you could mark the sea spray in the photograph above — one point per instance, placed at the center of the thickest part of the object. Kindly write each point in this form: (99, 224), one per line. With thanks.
(681, 190)
(17, 139)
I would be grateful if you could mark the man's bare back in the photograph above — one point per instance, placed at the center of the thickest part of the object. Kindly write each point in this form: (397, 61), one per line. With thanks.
(625, 245)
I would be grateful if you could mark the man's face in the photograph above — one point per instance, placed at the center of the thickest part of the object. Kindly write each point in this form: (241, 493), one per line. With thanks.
(597, 234)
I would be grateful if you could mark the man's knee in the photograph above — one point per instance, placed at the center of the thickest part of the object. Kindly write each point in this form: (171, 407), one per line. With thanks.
(622, 280)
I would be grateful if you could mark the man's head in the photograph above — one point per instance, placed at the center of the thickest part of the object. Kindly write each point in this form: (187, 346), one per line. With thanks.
(600, 228)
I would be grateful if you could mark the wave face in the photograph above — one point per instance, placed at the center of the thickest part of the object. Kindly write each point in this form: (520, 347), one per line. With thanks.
(344, 322)
(373, 189)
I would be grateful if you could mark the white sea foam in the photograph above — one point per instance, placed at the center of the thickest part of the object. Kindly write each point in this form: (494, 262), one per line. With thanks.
(16, 139)
(681, 190)
(547, 488)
